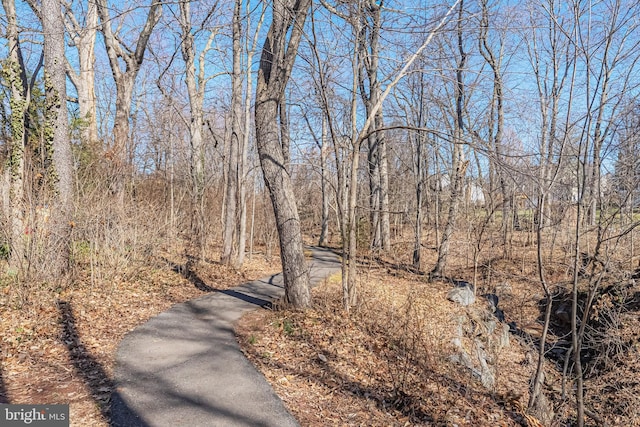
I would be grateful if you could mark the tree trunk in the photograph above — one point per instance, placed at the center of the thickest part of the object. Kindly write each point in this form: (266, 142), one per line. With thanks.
(324, 185)
(385, 226)
(456, 182)
(377, 157)
(84, 39)
(14, 73)
(234, 162)
(418, 172)
(496, 120)
(246, 132)
(278, 56)
(459, 165)
(117, 153)
(57, 138)
(285, 138)
(373, 159)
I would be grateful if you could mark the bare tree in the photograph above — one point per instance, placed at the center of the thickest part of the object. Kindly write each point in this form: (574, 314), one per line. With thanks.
(231, 219)
(251, 43)
(414, 102)
(82, 29)
(498, 161)
(349, 189)
(324, 184)
(370, 22)
(458, 162)
(278, 55)
(196, 82)
(125, 64)
(602, 54)
(553, 60)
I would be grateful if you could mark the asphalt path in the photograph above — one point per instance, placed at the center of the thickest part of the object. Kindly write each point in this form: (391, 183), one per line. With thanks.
(184, 367)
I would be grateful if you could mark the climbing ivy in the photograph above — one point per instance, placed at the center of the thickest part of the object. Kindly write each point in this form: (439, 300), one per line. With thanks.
(51, 109)
(18, 105)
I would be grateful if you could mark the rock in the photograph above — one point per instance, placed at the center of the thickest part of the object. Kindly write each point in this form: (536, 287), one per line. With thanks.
(503, 340)
(493, 301)
(462, 295)
(487, 373)
(493, 306)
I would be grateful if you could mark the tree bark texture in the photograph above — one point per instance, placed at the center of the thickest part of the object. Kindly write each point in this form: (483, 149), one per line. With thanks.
(14, 73)
(57, 138)
(276, 62)
(377, 156)
(234, 161)
(83, 38)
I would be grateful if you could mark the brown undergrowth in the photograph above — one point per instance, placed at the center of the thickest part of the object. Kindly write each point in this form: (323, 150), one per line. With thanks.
(58, 343)
(387, 363)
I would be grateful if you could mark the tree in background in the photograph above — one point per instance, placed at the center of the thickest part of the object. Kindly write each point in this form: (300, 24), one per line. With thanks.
(458, 162)
(125, 63)
(196, 83)
(82, 28)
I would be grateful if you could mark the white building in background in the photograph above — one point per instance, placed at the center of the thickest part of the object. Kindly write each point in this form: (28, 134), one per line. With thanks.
(472, 191)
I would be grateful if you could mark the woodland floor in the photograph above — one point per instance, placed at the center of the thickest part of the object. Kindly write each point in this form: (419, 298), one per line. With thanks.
(388, 362)
(58, 344)
(385, 363)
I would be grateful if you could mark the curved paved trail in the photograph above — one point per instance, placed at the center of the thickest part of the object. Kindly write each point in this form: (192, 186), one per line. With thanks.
(185, 368)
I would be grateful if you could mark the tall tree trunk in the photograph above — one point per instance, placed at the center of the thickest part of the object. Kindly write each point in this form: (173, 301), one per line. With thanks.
(385, 226)
(418, 172)
(377, 156)
(14, 73)
(57, 138)
(459, 164)
(496, 121)
(324, 185)
(373, 158)
(117, 153)
(250, 48)
(276, 62)
(234, 162)
(84, 40)
(196, 83)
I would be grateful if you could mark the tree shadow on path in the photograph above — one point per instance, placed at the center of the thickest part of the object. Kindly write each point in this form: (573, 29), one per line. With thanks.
(193, 277)
(92, 373)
